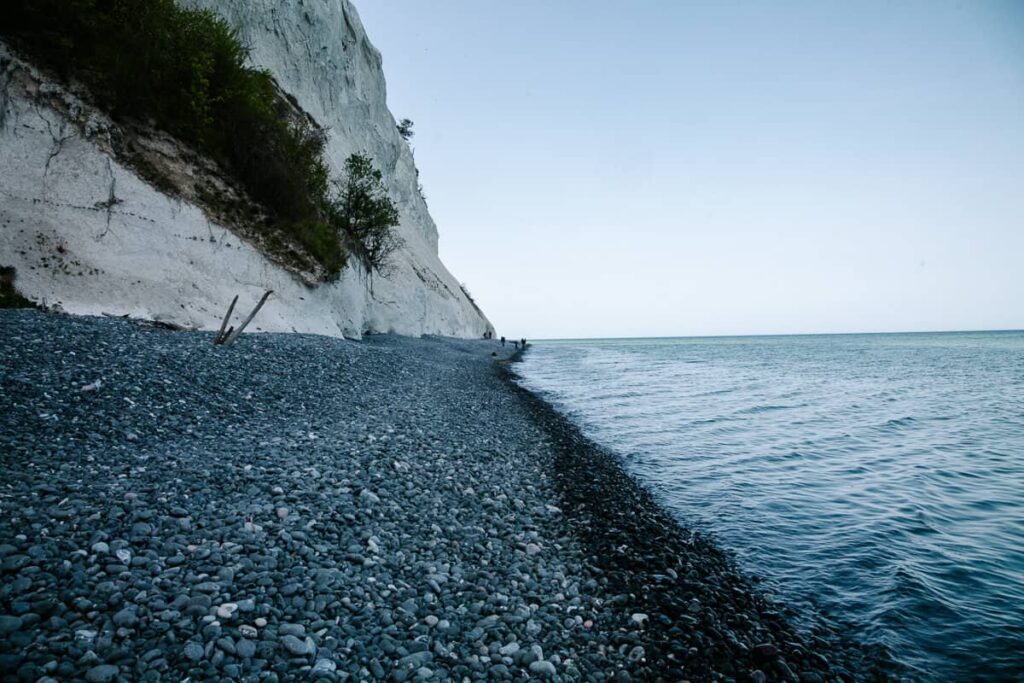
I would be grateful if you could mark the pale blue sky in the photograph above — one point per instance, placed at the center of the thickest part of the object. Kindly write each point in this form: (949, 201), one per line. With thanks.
(653, 168)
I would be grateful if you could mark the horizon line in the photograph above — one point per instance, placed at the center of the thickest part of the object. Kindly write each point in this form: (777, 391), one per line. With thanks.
(778, 334)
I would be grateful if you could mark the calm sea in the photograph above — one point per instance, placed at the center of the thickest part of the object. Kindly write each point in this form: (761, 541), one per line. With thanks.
(875, 481)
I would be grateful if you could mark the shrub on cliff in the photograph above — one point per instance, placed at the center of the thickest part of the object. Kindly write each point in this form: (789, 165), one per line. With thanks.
(362, 208)
(10, 297)
(184, 70)
(405, 129)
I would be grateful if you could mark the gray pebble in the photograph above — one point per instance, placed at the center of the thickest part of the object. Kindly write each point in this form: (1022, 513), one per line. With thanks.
(101, 673)
(543, 668)
(194, 651)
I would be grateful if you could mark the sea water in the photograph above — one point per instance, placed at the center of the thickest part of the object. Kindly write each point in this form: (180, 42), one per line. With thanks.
(875, 481)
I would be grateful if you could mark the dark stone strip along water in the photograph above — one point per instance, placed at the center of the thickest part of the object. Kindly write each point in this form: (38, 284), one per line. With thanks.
(705, 618)
(298, 507)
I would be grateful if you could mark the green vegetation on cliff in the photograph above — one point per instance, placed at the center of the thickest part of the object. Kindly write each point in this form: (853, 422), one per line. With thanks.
(183, 70)
(362, 208)
(10, 297)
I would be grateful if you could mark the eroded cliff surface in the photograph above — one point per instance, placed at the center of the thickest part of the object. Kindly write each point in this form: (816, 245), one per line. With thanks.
(84, 231)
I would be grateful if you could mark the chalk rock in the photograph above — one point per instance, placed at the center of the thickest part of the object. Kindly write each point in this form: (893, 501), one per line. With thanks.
(116, 244)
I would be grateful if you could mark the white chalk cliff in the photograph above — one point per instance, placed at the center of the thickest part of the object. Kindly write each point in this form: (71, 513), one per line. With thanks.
(87, 233)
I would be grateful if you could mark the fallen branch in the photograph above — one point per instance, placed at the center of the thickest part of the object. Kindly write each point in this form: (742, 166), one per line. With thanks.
(219, 339)
(233, 334)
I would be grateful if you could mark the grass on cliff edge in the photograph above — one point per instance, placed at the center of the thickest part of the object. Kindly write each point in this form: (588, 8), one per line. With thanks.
(183, 70)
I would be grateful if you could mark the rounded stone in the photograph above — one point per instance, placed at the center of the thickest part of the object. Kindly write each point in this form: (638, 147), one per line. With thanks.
(101, 673)
(294, 645)
(194, 651)
(227, 610)
(245, 648)
(543, 668)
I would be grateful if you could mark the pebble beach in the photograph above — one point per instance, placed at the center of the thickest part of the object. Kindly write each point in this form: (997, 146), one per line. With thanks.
(297, 507)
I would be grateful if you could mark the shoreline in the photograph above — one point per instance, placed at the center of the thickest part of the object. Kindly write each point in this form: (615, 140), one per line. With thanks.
(682, 580)
(297, 507)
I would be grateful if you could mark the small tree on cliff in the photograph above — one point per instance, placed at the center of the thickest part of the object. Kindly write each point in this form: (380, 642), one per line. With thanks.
(405, 129)
(365, 213)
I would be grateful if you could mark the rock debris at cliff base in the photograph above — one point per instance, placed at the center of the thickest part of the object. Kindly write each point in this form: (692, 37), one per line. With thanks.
(296, 507)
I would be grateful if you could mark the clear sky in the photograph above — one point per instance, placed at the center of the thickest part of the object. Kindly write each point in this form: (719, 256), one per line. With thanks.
(663, 167)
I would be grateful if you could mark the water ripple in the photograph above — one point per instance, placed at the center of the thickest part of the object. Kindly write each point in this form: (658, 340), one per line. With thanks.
(878, 480)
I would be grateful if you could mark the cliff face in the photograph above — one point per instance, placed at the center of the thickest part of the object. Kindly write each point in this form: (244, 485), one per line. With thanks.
(84, 231)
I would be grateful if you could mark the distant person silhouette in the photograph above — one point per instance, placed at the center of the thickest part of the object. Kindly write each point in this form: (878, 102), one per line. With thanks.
(503, 340)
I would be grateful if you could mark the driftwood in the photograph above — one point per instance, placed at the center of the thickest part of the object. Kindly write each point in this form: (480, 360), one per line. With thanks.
(145, 322)
(234, 335)
(227, 338)
(221, 335)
